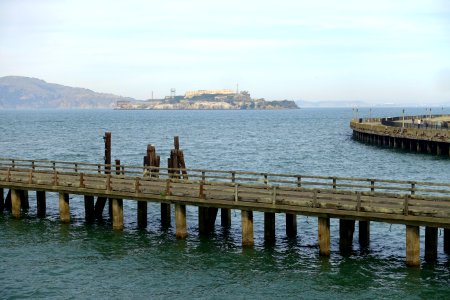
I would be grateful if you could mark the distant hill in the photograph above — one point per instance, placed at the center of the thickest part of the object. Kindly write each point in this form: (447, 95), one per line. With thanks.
(25, 92)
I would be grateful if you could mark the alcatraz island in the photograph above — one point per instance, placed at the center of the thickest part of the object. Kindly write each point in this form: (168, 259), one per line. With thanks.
(207, 100)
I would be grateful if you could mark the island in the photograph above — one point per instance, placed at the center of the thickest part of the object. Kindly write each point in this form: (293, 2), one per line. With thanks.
(206, 100)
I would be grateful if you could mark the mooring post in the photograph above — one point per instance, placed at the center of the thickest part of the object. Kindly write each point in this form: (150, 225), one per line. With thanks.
(180, 221)
(41, 204)
(324, 236)
(431, 243)
(412, 246)
(247, 228)
(346, 230)
(64, 208)
(364, 233)
(16, 203)
(117, 214)
(446, 241)
(89, 209)
(269, 227)
(291, 225)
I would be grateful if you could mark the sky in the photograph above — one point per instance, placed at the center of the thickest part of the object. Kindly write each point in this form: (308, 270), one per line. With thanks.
(378, 52)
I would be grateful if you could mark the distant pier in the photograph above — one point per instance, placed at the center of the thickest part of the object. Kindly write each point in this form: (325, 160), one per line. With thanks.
(421, 134)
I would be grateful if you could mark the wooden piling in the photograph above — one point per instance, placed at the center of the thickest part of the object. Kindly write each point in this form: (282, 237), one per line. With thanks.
(247, 228)
(64, 208)
(346, 230)
(412, 246)
(324, 236)
(117, 214)
(439, 149)
(446, 241)
(203, 221)
(25, 204)
(89, 209)
(99, 207)
(2, 200)
(364, 233)
(291, 225)
(142, 214)
(8, 205)
(165, 215)
(431, 243)
(180, 221)
(269, 227)
(225, 217)
(16, 203)
(41, 204)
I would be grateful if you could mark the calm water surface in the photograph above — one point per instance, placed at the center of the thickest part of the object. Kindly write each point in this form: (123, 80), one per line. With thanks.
(41, 258)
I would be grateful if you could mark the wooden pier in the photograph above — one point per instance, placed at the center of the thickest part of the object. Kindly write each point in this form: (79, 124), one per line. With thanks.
(431, 136)
(364, 200)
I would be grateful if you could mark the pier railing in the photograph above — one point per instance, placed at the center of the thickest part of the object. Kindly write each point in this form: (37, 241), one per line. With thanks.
(57, 170)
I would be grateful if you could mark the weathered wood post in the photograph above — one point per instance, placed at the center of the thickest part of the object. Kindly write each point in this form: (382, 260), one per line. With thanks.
(431, 243)
(446, 241)
(364, 233)
(324, 236)
(101, 201)
(346, 230)
(117, 206)
(438, 148)
(25, 204)
(412, 246)
(89, 209)
(16, 203)
(64, 208)
(247, 228)
(180, 221)
(225, 213)
(269, 227)
(41, 204)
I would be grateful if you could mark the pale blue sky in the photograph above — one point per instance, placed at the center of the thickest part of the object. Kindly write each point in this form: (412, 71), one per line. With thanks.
(380, 51)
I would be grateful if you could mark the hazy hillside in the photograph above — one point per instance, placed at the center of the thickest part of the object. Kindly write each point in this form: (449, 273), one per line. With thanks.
(25, 92)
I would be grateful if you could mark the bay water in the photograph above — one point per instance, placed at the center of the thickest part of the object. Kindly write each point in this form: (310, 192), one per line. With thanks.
(41, 258)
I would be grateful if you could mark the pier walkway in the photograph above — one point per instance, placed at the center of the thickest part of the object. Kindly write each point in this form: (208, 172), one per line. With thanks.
(410, 203)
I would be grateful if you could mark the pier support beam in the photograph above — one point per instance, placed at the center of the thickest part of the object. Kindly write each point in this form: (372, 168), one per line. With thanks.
(64, 208)
(431, 243)
(446, 241)
(16, 203)
(269, 227)
(99, 206)
(117, 214)
(41, 204)
(438, 149)
(180, 221)
(142, 214)
(89, 209)
(291, 225)
(165, 215)
(203, 223)
(8, 201)
(2, 200)
(225, 217)
(25, 204)
(418, 147)
(412, 246)
(346, 230)
(247, 228)
(364, 233)
(324, 236)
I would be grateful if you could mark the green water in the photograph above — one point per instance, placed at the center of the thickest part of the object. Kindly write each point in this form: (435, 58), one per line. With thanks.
(42, 258)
